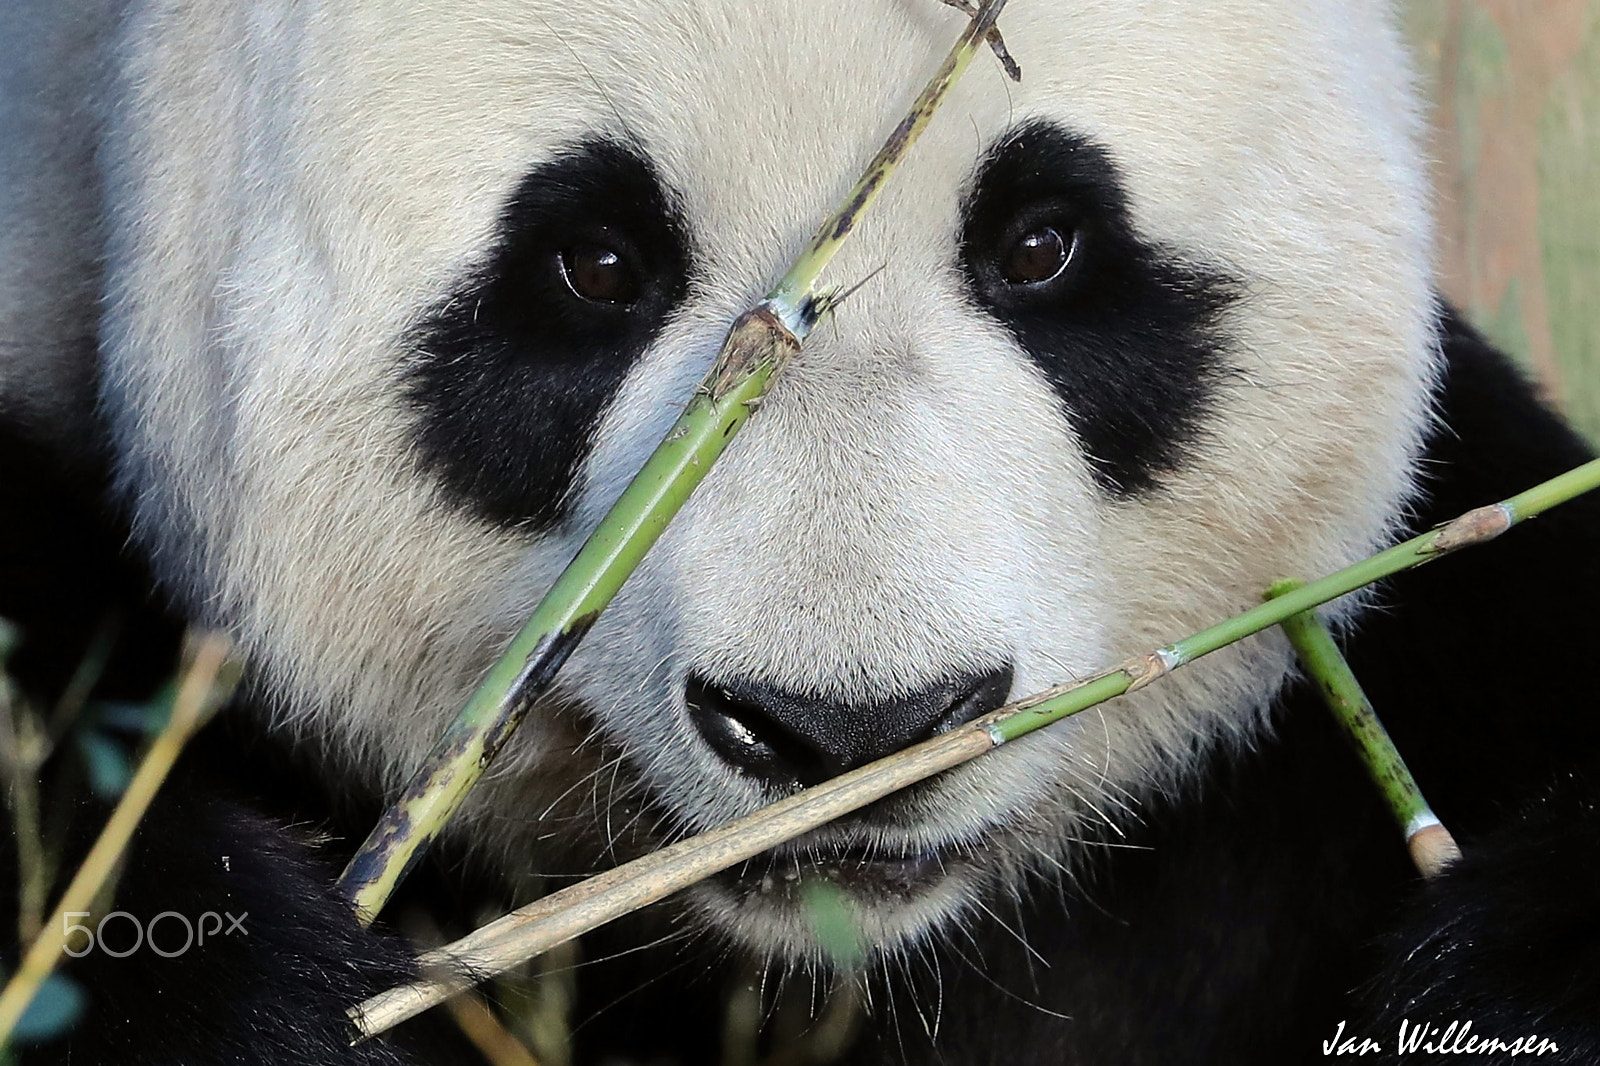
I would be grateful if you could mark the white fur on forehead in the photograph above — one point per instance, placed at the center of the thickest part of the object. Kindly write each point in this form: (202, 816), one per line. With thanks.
(292, 184)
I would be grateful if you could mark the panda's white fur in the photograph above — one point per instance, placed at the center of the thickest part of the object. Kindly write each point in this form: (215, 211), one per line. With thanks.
(244, 249)
(289, 186)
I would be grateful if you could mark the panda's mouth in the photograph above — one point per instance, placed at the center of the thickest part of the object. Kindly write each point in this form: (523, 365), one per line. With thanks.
(881, 854)
(860, 869)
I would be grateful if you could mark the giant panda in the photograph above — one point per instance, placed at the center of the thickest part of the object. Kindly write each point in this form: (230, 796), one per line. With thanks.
(338, 326)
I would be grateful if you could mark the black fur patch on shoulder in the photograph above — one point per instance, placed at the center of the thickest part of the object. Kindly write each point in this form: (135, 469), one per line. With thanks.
(1126, 332)
(230, 945)
(64, 575)
(1508, 940)
(513, 369)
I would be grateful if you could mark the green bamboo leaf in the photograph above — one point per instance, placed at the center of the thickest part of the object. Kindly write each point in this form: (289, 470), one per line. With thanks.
(833, 920)
(10, 639)
(54, 1010)
(106, 762)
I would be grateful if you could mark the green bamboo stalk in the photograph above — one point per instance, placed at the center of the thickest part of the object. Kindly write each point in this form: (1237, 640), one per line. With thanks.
(1431, 846)
(575, 910)
(206, 686)
(757, 348)
(759, 345)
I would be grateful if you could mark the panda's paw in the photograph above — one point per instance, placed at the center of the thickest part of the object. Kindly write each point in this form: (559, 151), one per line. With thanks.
(228, 944)
(1504, 946)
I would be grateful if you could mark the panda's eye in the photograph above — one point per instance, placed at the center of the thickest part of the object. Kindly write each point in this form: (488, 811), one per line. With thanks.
(599, 274)
(1039, 255)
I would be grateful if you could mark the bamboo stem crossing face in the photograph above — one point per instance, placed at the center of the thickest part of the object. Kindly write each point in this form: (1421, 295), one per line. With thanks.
(757, 348)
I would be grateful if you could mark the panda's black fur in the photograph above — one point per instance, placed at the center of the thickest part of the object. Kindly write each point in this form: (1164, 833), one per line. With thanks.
(328, 421)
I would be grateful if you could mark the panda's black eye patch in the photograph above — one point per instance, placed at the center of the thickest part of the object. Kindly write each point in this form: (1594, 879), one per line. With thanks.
(1126, 331)
(512, 371)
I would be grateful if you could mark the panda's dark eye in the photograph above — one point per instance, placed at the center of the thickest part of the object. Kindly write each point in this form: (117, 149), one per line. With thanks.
(1038, 256)
(599, 273)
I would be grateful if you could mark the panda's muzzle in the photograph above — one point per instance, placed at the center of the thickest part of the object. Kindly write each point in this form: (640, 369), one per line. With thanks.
(788, 740)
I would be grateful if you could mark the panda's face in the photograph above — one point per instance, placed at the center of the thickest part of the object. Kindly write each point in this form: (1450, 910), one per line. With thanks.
(398, 303)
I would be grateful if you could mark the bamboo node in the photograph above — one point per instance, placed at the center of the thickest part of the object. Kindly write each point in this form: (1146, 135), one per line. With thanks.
(1144, 669)
(757, 337)
(1475, 527)
(996, 42)
(1433, 849)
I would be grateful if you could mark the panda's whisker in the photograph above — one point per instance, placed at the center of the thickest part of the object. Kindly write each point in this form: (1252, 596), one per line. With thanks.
(576, 785)
(891, 1008)
(1045, 854)
(916, 1005)
(638, 816)
(1015, 935)
(766, 965)
(1104, 766)
(680, 935)
(964, 927)
(1022, 931)
(1113, 794)
(1089, 843)
(611, 793)
(924, 953)
(650, 675)
(983, 975)
(1084, 799)
(577, 57)
(660, 975)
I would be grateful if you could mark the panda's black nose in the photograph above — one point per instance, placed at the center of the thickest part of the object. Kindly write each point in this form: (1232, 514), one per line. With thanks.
(787, 738)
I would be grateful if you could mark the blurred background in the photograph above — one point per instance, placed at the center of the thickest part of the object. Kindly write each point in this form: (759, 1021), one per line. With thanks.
(1516, 147)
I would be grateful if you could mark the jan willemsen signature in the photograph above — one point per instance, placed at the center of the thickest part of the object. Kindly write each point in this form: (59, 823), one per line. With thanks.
(1431, 1038)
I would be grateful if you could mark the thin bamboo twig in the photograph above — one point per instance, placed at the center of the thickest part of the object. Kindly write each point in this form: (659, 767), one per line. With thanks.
(26, 743)
(86, 675)
(24, 746)
(997, 43)
(23, 750)
(206, 685)
(572, 911)
(1431, 846)
(477, 1020)
(759, 345)
(562, 915)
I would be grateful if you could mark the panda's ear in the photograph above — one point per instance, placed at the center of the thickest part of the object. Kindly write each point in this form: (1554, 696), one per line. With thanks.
(513, 369)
